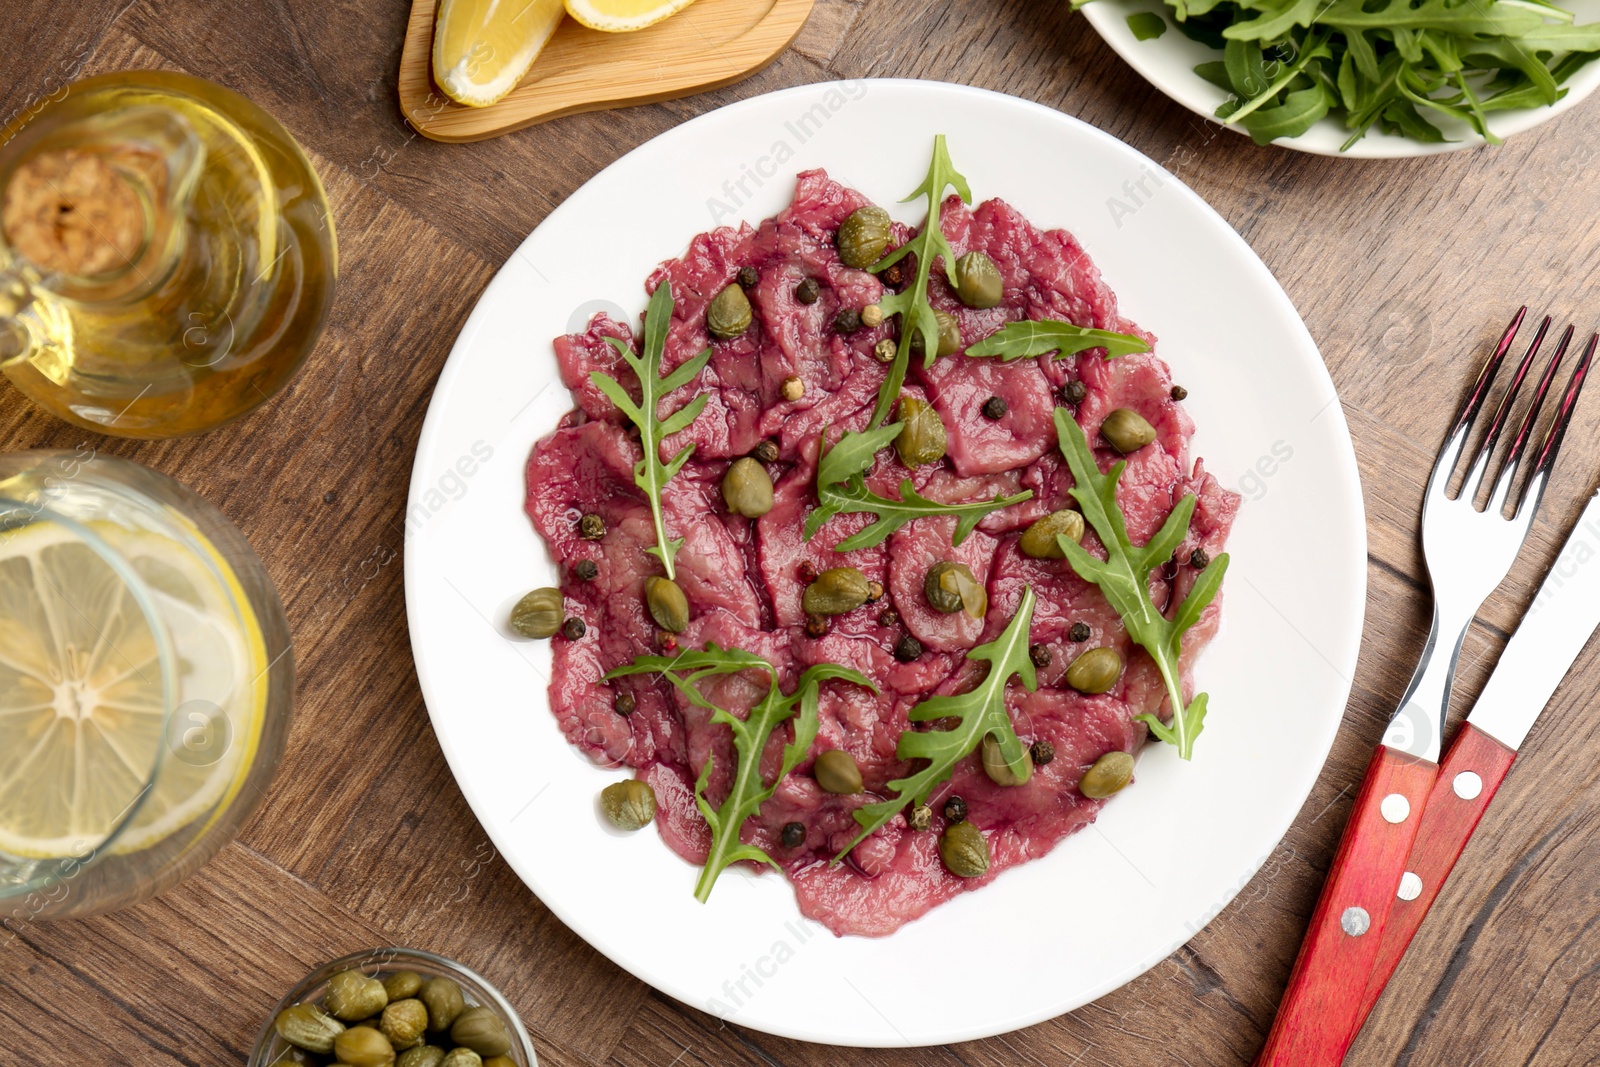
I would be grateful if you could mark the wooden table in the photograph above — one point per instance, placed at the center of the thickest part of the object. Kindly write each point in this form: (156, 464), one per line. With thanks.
(1403, 270)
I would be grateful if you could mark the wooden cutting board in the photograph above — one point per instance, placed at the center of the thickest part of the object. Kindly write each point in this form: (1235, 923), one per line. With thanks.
(710, 43)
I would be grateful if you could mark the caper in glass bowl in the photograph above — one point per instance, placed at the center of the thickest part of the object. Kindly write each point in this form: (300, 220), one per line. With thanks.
(476, 996)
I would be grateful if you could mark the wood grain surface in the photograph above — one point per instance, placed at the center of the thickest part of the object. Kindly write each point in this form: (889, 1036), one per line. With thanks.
(709, 44)
(1404, 270)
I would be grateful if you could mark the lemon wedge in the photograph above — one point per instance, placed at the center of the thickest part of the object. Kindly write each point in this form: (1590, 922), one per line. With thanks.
(623, 16)
(82, 716)
(482, 48)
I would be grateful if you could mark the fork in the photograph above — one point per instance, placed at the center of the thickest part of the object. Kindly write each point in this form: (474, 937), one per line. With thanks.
(1468, 553)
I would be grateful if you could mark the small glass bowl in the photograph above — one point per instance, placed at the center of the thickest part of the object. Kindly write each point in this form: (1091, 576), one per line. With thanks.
(475, 990)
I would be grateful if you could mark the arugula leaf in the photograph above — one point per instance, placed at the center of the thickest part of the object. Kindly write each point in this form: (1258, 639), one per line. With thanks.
(1018, 340)
(1124, 577)
(842, 487)
(980, 711)
(650, 474)
(1384, 63)
(747, 792)
(911, 303)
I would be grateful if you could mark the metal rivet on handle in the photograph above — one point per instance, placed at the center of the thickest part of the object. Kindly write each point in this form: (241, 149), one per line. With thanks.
(1410, 886)
(1355, 921)
(1467, 785)
(1395, 808)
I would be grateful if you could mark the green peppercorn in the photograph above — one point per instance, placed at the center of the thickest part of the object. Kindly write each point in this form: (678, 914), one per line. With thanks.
(964, 851)
(920, 818)
(591, 527)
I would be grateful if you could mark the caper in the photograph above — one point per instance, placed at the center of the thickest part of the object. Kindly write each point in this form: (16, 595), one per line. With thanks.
(996, 767)
(1106, 775)
(444, 1002)
(920, 818)
(667, 604)
(1039, 540)
(421, 1056)
(964, 851)
(628, 805)
(353, 996)
(950, 587)
(836, 772)
(538, 614)
(747, 488)
(728, 315)
(362, 1046)
(1126, 430)
(500, 1061)
(404, 1022)
(863, 237)
(482, 1031)
(1095, 670)
(462, 1057)
(309, 1027)
(921, 439)
(296, 1057)
(402, 984)
(949, 342)
(978, 283)
(836, 591)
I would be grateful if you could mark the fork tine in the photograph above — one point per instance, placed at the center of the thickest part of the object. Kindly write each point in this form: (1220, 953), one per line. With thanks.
(1534, 490)
(1479, 471)
(1456, 442)
(1519, 444)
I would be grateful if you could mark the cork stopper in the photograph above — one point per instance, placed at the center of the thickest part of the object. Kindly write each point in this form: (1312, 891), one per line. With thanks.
(71, 211)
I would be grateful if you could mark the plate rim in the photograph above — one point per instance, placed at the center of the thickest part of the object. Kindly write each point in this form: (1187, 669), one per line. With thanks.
(1354, 594)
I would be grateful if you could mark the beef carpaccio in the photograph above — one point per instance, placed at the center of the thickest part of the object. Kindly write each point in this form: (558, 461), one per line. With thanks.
(744, 578)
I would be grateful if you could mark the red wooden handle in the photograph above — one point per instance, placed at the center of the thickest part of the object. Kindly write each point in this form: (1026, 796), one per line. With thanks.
(1468, 778)
(1316, 1020)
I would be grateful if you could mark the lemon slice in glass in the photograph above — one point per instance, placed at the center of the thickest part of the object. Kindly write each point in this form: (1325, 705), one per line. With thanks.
(482, 48)
(623, 16)
(82, 718)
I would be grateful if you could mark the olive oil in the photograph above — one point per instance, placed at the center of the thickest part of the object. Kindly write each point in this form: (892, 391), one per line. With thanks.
(167, 257)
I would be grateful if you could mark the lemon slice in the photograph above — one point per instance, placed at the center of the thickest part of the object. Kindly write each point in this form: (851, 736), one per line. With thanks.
(82, 718)
(482, 48)
(623, 16)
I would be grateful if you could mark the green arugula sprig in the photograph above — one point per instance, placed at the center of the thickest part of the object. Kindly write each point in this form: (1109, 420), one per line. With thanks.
(979, 712)
(842, 487)
(1020, 340)
(1124, 577)
(650, 474)
(1384, 63)
(747, 792)
(911, 303)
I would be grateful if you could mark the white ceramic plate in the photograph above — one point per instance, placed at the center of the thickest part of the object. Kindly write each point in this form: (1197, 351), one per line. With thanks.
(1168, 63)
(1166, 856)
